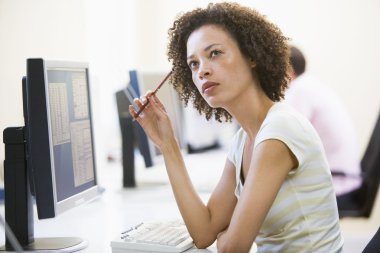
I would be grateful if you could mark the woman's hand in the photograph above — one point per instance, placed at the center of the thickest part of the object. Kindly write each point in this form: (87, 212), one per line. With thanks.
(154, 120)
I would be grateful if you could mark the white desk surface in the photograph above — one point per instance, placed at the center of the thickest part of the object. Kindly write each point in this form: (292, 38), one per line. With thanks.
(116, 209)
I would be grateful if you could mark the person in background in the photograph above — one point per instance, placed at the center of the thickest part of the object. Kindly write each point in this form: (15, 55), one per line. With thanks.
(276, 187)
(330, 118)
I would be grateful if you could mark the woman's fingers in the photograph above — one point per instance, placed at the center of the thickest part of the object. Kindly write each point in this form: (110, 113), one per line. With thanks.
(143, 105)
(155, 99)
(138, 102)
(132, 111)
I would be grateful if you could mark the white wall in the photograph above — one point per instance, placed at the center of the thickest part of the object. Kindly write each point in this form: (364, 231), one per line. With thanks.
(111, 32)
(340, 39)
(341, 42)
(44, 28)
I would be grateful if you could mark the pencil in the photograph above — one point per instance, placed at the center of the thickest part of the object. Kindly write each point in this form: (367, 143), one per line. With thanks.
(154, 92)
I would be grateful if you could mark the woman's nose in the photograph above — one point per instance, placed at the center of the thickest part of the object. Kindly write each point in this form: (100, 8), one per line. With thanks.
(204, 71)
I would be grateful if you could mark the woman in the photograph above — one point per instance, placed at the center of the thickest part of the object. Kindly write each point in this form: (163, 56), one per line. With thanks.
(276, 187)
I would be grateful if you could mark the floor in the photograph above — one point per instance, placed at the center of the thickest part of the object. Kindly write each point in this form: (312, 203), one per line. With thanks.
(205, 170)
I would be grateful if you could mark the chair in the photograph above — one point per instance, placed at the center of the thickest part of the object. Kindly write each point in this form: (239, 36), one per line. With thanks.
(359, 203)
(374, 244)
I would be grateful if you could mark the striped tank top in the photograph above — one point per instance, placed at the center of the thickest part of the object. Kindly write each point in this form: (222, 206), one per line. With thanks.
(304, 215)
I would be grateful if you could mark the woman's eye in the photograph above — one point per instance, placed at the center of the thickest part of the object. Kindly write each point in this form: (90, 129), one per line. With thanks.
(215, 53)
(193, 64)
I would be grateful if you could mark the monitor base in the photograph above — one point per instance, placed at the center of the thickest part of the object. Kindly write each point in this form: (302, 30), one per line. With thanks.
(59, 244)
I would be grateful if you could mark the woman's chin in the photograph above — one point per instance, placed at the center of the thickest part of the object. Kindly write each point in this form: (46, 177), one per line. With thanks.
(213, 103)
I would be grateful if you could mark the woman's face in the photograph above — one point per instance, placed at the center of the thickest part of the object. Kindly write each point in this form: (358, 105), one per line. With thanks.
(219, 70)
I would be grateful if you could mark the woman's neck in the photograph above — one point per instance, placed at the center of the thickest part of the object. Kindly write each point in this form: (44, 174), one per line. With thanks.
(251, 111)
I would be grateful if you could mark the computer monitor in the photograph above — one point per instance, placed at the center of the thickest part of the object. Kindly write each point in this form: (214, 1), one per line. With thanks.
(142, 81)
(146, 148)
(59, 149)
(132, 135)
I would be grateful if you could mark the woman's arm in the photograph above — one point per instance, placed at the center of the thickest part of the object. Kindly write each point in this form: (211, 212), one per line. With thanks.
(204, 222)
(270, 164)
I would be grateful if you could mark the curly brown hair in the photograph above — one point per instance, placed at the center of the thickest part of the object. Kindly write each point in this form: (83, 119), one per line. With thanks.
(257, 38)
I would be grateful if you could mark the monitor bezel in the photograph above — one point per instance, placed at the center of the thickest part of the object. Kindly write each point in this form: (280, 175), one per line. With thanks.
(43, 168)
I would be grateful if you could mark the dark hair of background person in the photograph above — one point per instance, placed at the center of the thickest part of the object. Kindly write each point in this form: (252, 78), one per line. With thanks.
(297, 61)
(257, 38)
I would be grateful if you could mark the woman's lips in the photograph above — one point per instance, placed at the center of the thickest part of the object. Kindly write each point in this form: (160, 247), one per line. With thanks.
(207, 86)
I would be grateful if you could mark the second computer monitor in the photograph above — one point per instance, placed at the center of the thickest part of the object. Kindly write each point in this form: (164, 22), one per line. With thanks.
(143, 81)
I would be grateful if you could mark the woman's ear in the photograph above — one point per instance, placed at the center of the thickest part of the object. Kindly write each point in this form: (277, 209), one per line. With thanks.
(252, 63)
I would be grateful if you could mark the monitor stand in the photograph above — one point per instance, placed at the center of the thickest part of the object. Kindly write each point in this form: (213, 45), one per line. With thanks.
(50, 244)
(19, 205)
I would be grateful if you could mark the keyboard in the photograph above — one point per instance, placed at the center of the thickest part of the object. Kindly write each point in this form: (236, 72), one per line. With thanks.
(153, 237)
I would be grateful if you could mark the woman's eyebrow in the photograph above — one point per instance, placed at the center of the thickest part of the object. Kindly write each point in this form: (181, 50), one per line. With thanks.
(210, 46)
(205, 50)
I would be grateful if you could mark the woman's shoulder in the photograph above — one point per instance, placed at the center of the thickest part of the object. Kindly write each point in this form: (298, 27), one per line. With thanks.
(283, 115)
(286, 124)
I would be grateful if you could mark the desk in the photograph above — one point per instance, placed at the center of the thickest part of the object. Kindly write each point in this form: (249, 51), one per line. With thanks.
(118, 208)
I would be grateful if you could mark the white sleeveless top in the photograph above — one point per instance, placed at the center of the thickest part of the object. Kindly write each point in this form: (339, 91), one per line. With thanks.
(304, 215)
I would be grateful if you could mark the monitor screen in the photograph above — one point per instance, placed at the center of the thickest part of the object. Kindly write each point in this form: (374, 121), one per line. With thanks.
(53, 155)
(60, 136)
